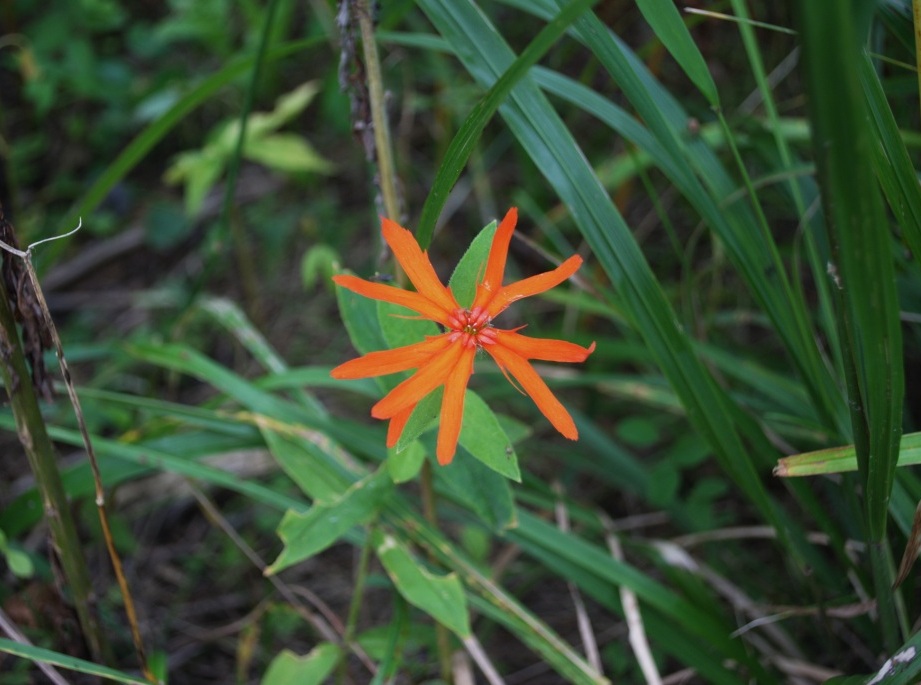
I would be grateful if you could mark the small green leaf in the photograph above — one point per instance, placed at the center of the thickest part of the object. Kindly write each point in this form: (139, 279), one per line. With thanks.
(423, 417)
(471, 266)
(287, 668)
(287, 152)
(307, 534)
(403, 465)
(441, 597)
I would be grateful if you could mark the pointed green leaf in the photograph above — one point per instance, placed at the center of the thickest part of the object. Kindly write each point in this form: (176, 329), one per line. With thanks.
(666, 22)
(483, 436)
(441, 597)
(287, 152)
(470, 268)
(287, 668)
(310, 533)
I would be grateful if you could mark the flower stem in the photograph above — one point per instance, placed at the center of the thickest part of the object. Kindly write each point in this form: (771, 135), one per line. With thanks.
(357, 596)
(442, 638)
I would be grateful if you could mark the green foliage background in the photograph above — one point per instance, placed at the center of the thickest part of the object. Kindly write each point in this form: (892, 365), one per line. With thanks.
(743, 190)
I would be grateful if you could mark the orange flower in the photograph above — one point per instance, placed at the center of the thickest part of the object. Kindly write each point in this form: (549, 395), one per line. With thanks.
(447, 359)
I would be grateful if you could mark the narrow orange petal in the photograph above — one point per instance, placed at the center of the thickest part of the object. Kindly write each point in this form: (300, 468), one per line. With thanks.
(534, 385)
(533, 285)
(378, 291)
(391, 361)
(420, 384)
(452, 406)
(495, 265)
(541, 348)
(416, 264)
(397, 424)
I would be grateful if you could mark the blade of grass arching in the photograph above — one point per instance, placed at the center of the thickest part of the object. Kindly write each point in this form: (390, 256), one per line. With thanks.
(748, 242)
(544, 136)
(148, 457)
(33, 654)
(891, 161)
(144, 142)
(666, 22)
(862, 249)
(277, 418)
(463, 144)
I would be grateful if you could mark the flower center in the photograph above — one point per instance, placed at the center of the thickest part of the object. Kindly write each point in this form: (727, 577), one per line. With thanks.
(472, 326)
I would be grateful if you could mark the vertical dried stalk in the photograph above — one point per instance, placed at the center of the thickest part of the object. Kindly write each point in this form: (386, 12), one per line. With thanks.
(30, 426)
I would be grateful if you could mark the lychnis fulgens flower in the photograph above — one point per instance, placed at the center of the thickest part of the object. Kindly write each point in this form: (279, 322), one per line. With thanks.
(447, 359)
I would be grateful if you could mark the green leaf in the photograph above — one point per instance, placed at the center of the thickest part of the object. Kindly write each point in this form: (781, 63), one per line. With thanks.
(401, 326)
(441, 597)
(287, 152)
(469, 270)
(423, 417)
(861, 246)
(138, 148)
(287, 668)
(483, 436)
(64, 661)
(306, 534)
(666, 22)
(841, 459)
(403, 465)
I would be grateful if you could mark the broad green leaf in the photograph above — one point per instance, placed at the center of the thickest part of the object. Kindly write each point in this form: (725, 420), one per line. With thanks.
(287, 668)
(469, 270)
(306, 534)
(47, 656)
(666, 22)
(483, 436)
(441, 597)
